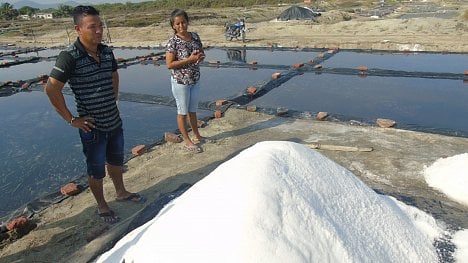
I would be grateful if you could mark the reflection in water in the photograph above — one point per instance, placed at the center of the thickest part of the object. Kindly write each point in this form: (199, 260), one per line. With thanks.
(236, 55)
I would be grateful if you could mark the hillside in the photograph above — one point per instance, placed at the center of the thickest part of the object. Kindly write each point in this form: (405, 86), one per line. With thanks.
(417, 26)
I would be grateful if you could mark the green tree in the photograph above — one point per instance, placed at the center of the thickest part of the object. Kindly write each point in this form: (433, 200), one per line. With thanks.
(7, 11)
(27, 10)
(63, 11)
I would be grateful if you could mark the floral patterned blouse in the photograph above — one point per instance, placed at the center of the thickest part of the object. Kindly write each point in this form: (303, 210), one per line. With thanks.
(188, 74)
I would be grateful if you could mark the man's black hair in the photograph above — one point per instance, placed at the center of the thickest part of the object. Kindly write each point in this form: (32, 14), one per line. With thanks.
(83, 10)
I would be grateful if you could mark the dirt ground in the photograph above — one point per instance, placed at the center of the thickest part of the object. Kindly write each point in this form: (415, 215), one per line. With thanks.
(72, 232)
(433, 31)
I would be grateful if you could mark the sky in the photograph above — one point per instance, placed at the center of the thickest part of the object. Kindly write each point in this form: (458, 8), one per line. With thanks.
(283, 202)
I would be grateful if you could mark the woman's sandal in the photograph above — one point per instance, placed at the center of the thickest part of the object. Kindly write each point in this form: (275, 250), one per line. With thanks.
(203, 140)
(193, 148)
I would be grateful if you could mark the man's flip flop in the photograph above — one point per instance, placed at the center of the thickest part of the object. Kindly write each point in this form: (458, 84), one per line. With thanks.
(133, 197)
(108, 217)
(193, 148)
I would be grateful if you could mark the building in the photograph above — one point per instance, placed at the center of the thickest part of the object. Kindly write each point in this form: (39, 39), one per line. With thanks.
(43, 15)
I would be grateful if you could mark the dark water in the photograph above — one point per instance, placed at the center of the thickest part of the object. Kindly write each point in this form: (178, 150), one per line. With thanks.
(430, 103)
(39, 152)
(420, 62)
(26, 71)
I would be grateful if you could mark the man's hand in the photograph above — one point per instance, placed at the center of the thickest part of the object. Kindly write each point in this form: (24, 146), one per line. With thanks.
(83, 123)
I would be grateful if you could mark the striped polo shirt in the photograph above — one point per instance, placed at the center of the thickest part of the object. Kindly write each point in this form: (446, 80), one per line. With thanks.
(91, 83)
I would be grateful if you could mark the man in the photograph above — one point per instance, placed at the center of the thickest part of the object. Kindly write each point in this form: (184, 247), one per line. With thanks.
(91, 71)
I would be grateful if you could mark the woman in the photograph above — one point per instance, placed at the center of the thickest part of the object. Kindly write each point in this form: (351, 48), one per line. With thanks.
(184, 52)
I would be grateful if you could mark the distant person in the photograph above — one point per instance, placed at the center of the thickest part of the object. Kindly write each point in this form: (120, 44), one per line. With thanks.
(90, 69)
(184, 52)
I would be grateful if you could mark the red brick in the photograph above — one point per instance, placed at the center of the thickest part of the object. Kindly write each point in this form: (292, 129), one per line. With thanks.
(220, 102)
(139, 149)
(251, 90)
(385, 123)
(298, 65)
(322, 115)
(70, 189)
(172, 137)
(17, 223)
(276, 75)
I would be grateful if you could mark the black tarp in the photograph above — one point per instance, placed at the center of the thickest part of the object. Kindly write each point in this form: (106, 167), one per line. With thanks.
(297, 13)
